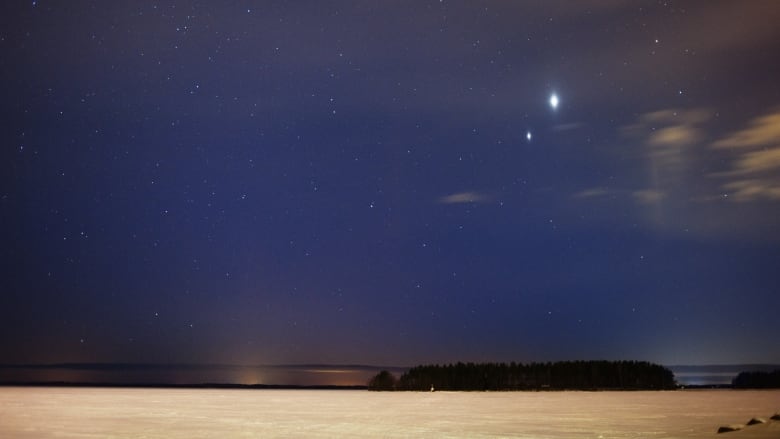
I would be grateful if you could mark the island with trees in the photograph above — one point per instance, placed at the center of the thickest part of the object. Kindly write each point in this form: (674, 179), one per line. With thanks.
(563, 375)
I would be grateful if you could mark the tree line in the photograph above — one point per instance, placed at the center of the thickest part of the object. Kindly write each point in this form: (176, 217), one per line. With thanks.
(563, 375)
(757, 380)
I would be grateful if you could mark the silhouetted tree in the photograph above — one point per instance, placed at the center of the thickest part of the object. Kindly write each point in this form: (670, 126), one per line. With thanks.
(384, 380)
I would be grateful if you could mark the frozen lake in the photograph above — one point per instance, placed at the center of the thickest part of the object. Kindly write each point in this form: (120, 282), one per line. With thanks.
(45, 412)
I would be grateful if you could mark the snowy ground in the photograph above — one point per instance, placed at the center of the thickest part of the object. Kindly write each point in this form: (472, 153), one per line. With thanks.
(40, 412)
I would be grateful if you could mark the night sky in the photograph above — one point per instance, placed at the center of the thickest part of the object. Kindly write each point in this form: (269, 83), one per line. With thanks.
(389, 182)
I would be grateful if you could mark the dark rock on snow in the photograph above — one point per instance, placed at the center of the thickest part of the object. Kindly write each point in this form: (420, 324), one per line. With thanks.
(728, 428)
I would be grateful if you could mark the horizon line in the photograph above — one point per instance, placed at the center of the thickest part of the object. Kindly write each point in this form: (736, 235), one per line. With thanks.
(152, 365)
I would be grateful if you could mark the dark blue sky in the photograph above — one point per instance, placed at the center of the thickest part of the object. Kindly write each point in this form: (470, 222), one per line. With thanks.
(352, 182)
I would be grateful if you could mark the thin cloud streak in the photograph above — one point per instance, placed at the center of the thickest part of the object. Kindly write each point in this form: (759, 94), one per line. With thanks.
(465, 197)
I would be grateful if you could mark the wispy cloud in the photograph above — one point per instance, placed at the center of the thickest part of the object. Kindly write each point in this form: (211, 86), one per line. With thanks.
(672, 146)
(465, 197)
(594, 192)
(665, 150)
(758, 161)
(748, 190)
(667, 131)
(754, 172)
(763, 130)
(641, 196)
(648, 196)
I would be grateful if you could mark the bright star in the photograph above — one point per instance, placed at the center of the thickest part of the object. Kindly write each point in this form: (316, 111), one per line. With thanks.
(554, 101)
(528, 135)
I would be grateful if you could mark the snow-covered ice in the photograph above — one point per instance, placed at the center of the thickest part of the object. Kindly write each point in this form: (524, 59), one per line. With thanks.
(45, 412)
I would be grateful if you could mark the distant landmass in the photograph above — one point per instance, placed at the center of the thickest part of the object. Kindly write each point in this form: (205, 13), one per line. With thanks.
(280, 375)
(192, 375)
(715, 375)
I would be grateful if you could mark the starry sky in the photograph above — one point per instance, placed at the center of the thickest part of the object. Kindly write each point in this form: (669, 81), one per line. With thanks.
(389, 182)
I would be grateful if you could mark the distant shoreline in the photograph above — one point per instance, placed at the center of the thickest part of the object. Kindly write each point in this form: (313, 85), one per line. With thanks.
(277, 376)
(207, 386)
(182, 386)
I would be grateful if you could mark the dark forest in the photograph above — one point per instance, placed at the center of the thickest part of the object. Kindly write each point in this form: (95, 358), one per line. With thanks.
(565, 375)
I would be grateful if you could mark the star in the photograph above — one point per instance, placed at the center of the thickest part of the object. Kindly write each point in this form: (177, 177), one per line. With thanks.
(528, 135)
(554, 101)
